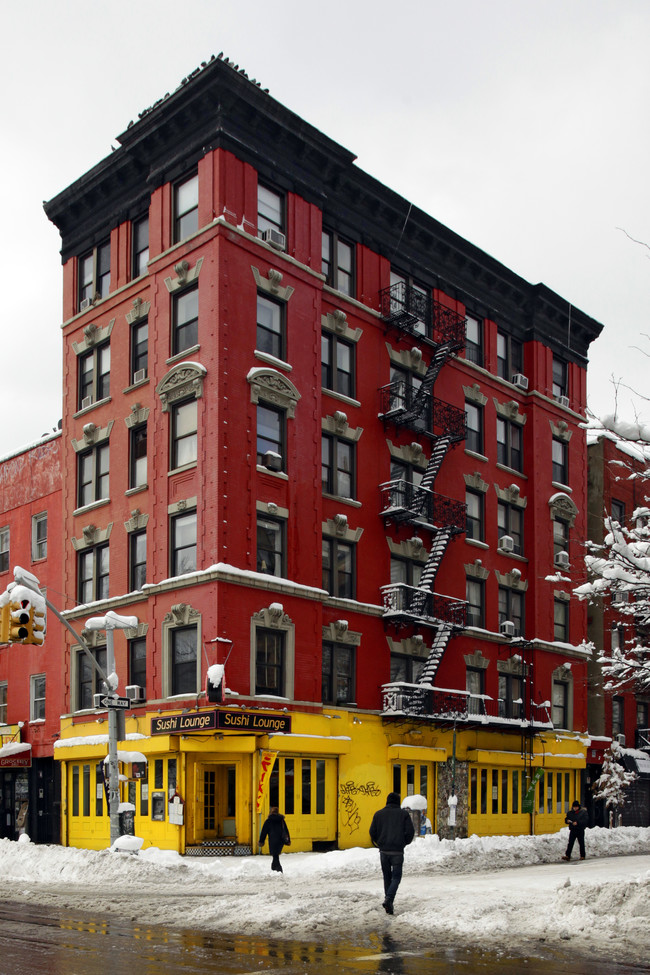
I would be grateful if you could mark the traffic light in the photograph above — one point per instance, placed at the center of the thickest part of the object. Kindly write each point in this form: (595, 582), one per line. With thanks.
(4, 623)
(25, 624)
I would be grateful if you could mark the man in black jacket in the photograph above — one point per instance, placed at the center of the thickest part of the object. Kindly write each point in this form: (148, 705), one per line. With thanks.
(391, 830)
(577, 819)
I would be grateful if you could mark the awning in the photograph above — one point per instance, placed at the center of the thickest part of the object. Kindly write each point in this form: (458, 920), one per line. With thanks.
(16, 754)
(515, 759)
(416, 753)
(638, 762)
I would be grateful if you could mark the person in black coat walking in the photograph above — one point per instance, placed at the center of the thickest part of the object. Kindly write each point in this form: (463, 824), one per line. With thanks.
(391, 830)
(277, 831)
(577, 819)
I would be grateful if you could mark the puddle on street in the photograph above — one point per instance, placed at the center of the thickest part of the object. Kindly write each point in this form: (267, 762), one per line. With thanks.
(52, 941)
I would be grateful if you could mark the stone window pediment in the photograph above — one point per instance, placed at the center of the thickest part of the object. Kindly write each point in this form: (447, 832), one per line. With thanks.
(185, 275)
(476, 570)
(561, 430)
(140, 310)
(412, 548)
(511, 495)
(338, 425)
(473, 394)
(510, 411)
(410, 359)
(93, 335)
(183, 380)
(92, 436)
(270, 386)
(563, 508)
(272, 285)
(475, 482)
(139, 414)
(337, 527)
(91, 536)
(476, 660)
(336, 321)
(412, 453)
(136, 522)
(512, 580)
(338, 632)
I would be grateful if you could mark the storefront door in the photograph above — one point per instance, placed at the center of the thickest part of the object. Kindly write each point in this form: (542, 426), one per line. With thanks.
(216, 801)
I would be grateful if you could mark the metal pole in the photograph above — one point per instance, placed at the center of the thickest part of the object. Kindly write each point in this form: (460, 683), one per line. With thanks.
(113, 766)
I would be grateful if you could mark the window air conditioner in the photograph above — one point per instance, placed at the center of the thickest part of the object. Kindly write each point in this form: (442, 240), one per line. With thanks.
(134, 692)
(274, 238)
(506, 544)
(620, 597)
(563, 400)
(562, 560)
(85, 303)
(97, 701)
(621, 740)
(507, 628)
(86, 402)
(520, 380)
(272, 461)
(139, 376)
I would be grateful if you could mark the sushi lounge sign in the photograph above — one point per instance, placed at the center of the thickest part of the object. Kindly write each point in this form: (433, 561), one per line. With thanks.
(257, 722)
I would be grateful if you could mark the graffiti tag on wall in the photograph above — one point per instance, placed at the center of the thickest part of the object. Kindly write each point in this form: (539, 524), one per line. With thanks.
(350, 816)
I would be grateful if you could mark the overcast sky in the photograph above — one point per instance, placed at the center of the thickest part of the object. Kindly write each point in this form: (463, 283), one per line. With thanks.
(520, 124)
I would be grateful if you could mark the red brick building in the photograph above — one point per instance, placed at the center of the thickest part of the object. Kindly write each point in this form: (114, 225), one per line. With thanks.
(282, 387)
(620, 714)
(31, 677)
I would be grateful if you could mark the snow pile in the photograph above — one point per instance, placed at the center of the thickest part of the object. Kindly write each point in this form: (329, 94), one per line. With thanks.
(478, 888)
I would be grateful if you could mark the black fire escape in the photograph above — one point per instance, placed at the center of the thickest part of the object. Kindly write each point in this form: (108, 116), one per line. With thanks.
(412, 406)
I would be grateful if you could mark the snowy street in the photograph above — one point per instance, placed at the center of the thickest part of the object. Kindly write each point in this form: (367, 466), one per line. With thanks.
(511, 893)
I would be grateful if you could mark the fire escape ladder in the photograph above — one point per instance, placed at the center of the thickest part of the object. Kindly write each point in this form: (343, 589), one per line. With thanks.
(422, 397)
(438, 648)
(428, 577)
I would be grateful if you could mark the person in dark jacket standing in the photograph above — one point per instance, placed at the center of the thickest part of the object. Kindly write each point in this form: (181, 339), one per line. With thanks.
(277, 831)
(577, 819)
(391, 830)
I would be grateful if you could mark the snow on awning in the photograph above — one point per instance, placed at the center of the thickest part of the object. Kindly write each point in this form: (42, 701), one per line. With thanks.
(637, 762)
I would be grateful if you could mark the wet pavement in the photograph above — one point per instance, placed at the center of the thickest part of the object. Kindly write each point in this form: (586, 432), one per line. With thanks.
(48, 940)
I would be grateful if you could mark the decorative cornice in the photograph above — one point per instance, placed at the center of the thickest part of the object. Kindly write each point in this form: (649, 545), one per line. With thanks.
(270, 386)
(93, 335)
(140, 310)
(338, 632)
(185, 275)
(92, 436)
(336, 321)
(272, 285)
(139, 414)
(338, 425)
(474, 395)
(183, 380)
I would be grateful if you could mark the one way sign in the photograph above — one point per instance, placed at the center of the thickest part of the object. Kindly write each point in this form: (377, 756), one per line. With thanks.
(121, 703)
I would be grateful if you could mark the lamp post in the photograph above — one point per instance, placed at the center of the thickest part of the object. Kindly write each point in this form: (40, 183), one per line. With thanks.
(110, 622)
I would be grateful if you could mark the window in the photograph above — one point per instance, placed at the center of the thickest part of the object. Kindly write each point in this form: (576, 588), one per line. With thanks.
(560, 457)
(39, 536)
(183, 543)
(270, 210)
(509, 445)
(337, 364)
(561, 620)
(641, 714)
(137, 656)
(92, 574)
(617, 511)
(405, 669)
(475, 524)
(37, 697)
(270, 546)
(94, 270)
(560, 704)
(137, 560)
(510, 356)
(510, 521)
(474, 339)
(338, 262)
(474, 435)
(138, 456)
(618, 716)
(475, 686)
(4, 549)
(405, 572)
(337, 470)
(186, 207)
(406, 491)
(410, 303)
(89, 682)
(183, 434)
(560, 385)
(183, 660)
(185, 320)
(338, 568)
(510, 699)
(139, 351)
(92, 475)
(270, 662)
(270, 327)
(139, 246)
(475, 596)
(511, 608)
(338, 674)
(3, 702)
(94, 369)
(270, 437)
(560, 536)
(405, 387)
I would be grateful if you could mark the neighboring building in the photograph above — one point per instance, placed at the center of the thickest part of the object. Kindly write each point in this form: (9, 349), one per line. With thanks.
(31, 677)
(282, 387)
(620, 714)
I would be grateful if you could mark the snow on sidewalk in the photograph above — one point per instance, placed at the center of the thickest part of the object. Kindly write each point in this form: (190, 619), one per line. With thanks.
(500, 890)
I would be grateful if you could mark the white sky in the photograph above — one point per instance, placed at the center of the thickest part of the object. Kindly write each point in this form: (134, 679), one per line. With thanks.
(523, 126)
(508, 892)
